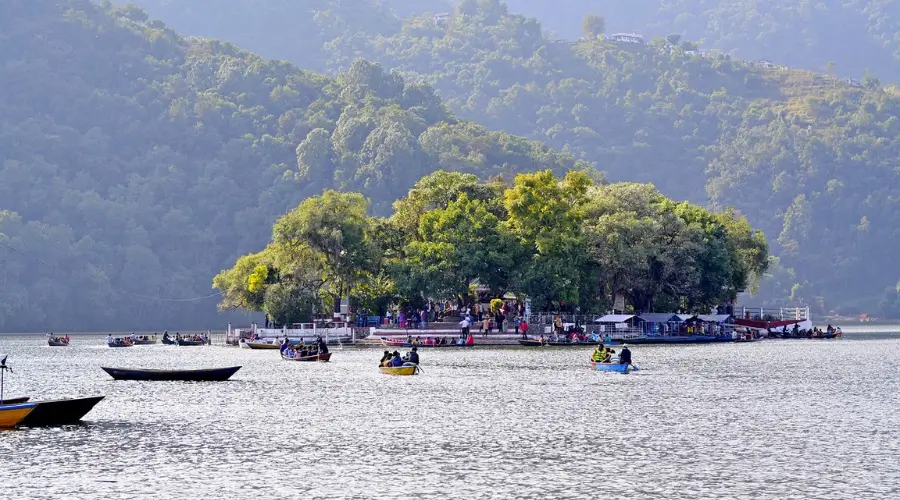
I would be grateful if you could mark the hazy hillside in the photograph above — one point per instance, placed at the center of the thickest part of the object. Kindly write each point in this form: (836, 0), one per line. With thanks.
(806, 156)
(856, 35)
(136, 164)
(852, 34)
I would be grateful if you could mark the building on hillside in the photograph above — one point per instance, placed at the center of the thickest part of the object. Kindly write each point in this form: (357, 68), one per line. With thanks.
(628, 38)
(441, 18)
(762, 63)
(853, 82)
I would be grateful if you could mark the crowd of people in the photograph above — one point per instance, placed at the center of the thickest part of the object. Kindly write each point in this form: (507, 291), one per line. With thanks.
(303, 350)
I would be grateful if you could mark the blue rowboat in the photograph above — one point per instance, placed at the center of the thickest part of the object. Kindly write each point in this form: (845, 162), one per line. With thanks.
(612, 367)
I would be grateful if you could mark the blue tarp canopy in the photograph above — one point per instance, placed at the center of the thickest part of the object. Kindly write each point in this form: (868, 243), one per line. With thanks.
(658, 317)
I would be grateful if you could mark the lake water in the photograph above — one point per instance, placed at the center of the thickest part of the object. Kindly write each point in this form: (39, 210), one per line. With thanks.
(776, 419)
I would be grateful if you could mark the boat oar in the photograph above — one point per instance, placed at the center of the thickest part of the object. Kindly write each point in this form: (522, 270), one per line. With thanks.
(419, 368)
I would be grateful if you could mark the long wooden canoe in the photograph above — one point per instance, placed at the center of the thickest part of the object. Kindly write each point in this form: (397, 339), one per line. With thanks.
(206, 375)
(12, 415)
(59, 412)
(57, 342)
(399, 370)
(314, 357)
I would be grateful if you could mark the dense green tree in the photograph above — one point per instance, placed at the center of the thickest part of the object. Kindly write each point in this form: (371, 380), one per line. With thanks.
(593, 26)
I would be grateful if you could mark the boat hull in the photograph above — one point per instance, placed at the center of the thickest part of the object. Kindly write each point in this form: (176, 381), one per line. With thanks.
(189, 343)
(687, 339)
(57, 343)
(115, 344)
(610, 367)
(59, 412)
(315, 357)
(262, 345)
(145, 342)
(15, 401)
(12, 415)
(168, 341)
(208, 375)
(388, 343)
(399, 370)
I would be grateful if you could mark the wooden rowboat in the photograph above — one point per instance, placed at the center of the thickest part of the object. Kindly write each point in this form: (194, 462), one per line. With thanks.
(146, 341)
(399, 370)
(120, 343)
(168, 341)
(14, 401)
(256, 344)
(206, 375)
(57, 342)
(612, 367)
(12, 415)
(59, 412)
(314, 357)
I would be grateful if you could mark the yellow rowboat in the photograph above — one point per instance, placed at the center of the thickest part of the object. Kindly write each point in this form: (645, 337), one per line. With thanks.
(11, 415)
(399, 370)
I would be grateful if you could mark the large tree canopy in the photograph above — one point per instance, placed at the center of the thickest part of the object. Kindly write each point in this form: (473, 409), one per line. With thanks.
(559, 241)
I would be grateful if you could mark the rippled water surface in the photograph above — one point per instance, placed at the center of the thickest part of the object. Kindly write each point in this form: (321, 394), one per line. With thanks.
(777, 419)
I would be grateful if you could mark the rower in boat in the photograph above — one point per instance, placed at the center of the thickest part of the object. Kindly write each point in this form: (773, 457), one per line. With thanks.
(385, 359)
(601, 354)
(323, 347)
(412, 356)
(625, 355)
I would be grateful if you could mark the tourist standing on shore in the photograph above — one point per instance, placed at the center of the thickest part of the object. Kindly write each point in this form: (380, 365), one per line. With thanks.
(464, 325)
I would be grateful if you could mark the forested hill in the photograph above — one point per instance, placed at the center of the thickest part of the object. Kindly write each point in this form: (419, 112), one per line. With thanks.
(136, 164)
(808, 157)
(854, 35)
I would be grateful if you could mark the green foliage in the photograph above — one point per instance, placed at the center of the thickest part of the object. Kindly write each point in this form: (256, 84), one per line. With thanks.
(139, 163)
(557, 240)
(593, 26)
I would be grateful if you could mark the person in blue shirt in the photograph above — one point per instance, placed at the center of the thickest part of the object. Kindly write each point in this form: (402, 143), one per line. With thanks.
(396, 360)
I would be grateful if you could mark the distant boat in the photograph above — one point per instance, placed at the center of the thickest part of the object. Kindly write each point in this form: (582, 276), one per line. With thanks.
(12, 415)
(15, 401)
(59, 412)
(399, 370)
(144, 340)
(679, 339)
(400, 343)
(314, 357)
(612, 367)
(187, 342)
(119, 342)
(168, 341)
(58, 342)
(206, 375)
(263, 344)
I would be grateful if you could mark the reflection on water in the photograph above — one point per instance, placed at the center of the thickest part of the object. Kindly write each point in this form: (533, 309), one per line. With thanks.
(786, 419)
